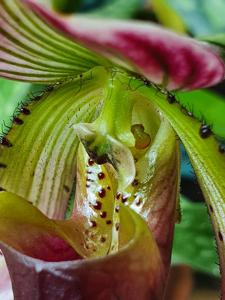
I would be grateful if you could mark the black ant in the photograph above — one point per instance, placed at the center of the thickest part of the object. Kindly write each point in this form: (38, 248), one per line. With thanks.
(17, 121)
(171, 98)
(205, 131)
(222, 148)
(5, 142)
(25, 111)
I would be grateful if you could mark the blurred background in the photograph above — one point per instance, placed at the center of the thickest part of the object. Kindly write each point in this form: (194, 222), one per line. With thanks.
(195, 272)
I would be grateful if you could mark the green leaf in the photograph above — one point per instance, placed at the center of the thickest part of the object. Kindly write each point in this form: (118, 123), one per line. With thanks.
(206, 106)
(194, 244)
(201, 17)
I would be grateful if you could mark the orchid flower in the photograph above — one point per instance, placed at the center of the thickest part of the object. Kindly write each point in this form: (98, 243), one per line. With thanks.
(89, 170)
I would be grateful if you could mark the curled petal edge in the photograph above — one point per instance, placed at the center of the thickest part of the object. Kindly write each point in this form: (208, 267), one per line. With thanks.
(168, 59)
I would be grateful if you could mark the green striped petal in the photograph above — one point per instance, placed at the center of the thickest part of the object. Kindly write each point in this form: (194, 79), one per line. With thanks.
(38, 155)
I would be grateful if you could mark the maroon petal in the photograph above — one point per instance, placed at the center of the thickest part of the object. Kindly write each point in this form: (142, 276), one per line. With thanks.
(163, 57)
(110, 278)
(26, 229)
(134, 272)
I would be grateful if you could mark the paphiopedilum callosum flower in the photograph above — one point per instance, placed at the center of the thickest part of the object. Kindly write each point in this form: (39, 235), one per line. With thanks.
(100, 136)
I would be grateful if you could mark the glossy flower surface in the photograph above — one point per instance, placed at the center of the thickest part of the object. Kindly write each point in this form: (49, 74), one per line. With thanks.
(93, 137)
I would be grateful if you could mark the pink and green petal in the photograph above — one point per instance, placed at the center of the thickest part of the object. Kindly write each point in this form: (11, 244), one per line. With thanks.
(35, 52)
(31, 51)
(163, 57)
(135, 271)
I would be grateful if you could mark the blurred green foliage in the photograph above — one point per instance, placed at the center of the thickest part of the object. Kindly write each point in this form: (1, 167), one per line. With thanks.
(118, 9)
(11, 93)
(66, 6)
(218, 40)
(167, 16)
(201, 17)
(193, 242)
